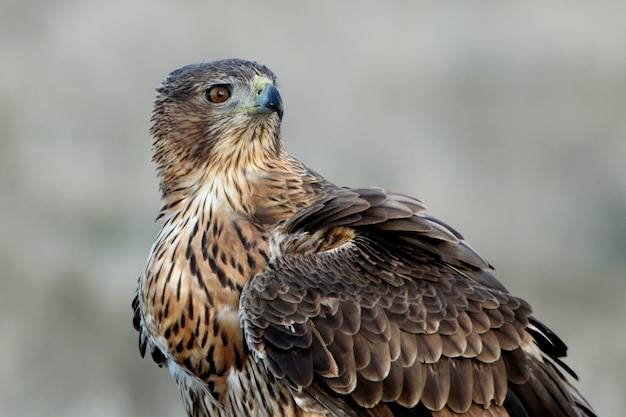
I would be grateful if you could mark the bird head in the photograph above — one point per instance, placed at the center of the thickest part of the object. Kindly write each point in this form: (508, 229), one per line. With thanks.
(214, 117)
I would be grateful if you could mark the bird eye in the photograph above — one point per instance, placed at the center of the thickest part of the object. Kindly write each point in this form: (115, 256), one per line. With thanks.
(218, 94)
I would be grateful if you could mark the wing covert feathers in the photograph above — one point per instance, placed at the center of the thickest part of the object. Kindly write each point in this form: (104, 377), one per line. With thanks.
(402, 312)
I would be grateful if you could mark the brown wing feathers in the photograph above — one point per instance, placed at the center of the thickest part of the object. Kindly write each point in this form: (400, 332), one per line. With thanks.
(398, 314)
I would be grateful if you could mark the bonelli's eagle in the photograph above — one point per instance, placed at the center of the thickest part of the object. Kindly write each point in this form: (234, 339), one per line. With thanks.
(270, 291)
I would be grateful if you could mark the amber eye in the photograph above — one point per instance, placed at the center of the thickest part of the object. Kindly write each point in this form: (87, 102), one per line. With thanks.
(218, 94)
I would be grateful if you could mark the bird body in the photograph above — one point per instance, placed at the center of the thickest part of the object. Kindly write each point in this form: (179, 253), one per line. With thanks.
(270, 291)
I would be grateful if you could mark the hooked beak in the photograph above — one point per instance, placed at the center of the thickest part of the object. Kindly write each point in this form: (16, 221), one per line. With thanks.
(268, 98)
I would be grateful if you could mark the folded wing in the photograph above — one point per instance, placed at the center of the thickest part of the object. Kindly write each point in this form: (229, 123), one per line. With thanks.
(370, 306)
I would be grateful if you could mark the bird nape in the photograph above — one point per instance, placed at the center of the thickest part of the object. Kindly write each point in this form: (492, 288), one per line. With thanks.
(270, 291)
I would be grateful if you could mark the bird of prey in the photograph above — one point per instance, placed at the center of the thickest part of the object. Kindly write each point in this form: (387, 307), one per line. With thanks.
(270, 291)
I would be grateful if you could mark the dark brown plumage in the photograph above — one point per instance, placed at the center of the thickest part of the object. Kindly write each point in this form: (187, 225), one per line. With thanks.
(270, 291)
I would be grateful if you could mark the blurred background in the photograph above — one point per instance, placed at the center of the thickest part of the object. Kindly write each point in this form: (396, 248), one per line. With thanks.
(507, 120)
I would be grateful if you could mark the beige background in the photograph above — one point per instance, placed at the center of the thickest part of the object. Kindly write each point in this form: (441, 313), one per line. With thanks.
(507, 120)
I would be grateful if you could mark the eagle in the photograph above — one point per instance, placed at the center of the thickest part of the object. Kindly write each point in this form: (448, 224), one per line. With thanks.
(270, 291)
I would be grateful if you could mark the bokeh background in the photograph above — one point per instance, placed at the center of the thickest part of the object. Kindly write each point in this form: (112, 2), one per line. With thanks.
(507, 119)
